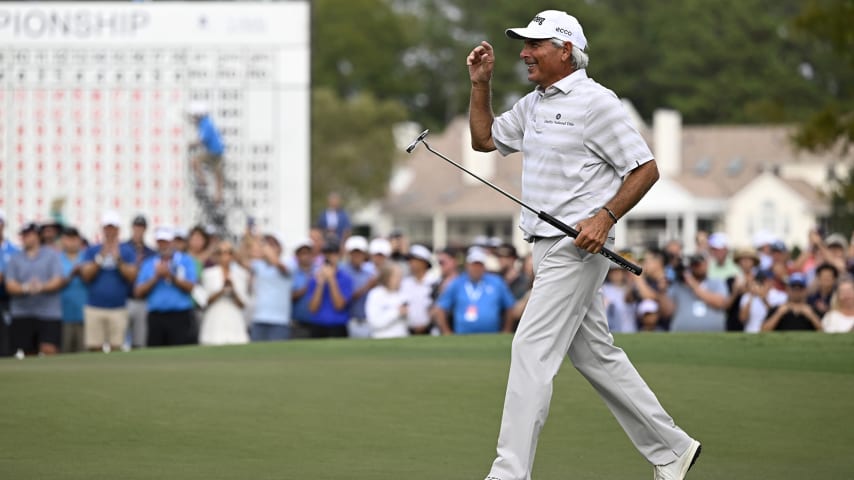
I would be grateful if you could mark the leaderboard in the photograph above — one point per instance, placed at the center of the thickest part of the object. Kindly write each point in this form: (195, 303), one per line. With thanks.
(94, 99)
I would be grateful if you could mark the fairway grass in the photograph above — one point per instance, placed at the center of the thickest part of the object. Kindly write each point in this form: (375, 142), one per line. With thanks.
(765, 407)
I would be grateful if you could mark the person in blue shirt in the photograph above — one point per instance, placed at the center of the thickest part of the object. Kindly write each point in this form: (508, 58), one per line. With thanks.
(334, 219)
(303, 268)
(74, 294)
(364, 277)
(480, 301)
(166, 281)
(329, 294)
(7, 250)
(211, 145)
(137, 308)
(109, 271)
(271, 285)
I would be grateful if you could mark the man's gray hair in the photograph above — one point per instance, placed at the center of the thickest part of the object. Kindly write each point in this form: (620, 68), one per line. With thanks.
(578, 58)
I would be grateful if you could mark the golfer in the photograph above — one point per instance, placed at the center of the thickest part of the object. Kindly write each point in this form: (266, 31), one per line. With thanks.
(585, 164)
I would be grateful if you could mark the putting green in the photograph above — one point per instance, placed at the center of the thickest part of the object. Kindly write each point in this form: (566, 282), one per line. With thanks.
(765, 406)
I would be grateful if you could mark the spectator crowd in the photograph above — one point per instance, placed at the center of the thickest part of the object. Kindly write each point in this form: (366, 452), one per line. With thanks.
(60, 293)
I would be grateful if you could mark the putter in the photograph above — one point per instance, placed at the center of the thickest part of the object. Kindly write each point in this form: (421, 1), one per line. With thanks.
(569, 231)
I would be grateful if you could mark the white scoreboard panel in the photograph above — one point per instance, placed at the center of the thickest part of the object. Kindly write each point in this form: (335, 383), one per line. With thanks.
(93, 101)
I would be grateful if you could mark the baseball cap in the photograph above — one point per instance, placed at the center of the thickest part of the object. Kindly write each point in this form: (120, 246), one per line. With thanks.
(718, 240)
(797, 279)
(476, 255)
(164, 233)
(331, 246)
(380, 246)
(421, 253)
(180, 232)
(303, 242)
(2, 216)
(778, 246)
(356, 242)
(29, 227)
(139, 220)
(836, 239)
(551, 24)
(111, 219)
(197, 108)
(648, 306)
(70, 232)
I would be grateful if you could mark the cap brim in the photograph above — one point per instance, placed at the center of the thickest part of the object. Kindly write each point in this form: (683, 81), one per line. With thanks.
(525, 33)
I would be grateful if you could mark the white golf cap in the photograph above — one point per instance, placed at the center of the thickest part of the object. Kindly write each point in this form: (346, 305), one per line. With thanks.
(648, 306)
(197, 108)
(421, 253)
(718, 240)
(180, 232)
(111, 219)
(356, 242)
(380, 246)
(2, 216)
(165, 233)
(552, 24)
(303, 242)
(476, 255)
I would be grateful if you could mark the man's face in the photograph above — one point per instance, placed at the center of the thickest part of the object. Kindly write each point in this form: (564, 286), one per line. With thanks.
(358, 257)
(719, 254)
(416, 265)
(164, 247)
(699, 269)
(304, 256)
(797, 293)
(30, 239)
(546, 62)
(825, 278)
(111, 233)
(447, 263)
(138, 231)
(475, 270)
(71, 243)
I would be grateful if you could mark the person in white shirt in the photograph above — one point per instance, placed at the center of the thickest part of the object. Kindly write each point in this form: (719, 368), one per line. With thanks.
(760, 297)
(840, 317)
(385, 307)
(417, 290)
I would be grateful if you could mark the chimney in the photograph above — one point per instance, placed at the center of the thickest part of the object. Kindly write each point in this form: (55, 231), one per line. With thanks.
(667, 139)
(479, 163)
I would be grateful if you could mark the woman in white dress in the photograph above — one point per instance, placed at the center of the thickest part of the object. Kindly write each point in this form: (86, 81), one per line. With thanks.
(840, 317)
(226, 285)
(385, 307)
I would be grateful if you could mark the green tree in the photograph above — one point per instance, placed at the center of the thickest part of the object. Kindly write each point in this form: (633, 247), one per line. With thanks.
(828, 25)
(842, 205)
(352, 146)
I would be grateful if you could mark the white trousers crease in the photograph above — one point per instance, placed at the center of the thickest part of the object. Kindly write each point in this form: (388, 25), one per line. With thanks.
(566, 315)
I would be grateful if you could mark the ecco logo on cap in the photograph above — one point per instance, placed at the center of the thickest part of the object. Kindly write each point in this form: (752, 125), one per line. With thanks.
(563, 31)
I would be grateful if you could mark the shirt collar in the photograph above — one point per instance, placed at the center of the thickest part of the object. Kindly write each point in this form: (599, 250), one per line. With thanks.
(565, 84)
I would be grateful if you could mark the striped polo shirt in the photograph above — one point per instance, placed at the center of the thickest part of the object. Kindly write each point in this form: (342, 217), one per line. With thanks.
(577, 143)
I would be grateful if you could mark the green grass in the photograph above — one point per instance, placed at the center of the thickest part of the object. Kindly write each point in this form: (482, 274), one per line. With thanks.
(764, 406)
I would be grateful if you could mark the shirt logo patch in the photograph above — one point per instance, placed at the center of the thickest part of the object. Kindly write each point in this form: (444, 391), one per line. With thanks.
(558, 121)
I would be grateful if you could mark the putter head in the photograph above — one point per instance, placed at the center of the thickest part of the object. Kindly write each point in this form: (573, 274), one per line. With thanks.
(415, 142)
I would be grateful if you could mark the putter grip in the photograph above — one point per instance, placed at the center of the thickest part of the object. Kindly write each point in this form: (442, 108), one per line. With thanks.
(612, 256)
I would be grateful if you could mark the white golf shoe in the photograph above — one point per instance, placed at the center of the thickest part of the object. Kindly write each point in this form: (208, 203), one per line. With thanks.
(677, 469)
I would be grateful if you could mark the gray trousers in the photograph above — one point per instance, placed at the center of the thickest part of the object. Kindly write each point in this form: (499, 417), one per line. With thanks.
(138, 322)
(566, 315)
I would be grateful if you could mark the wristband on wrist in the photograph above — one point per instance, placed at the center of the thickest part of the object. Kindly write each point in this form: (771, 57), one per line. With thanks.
(610, 214)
